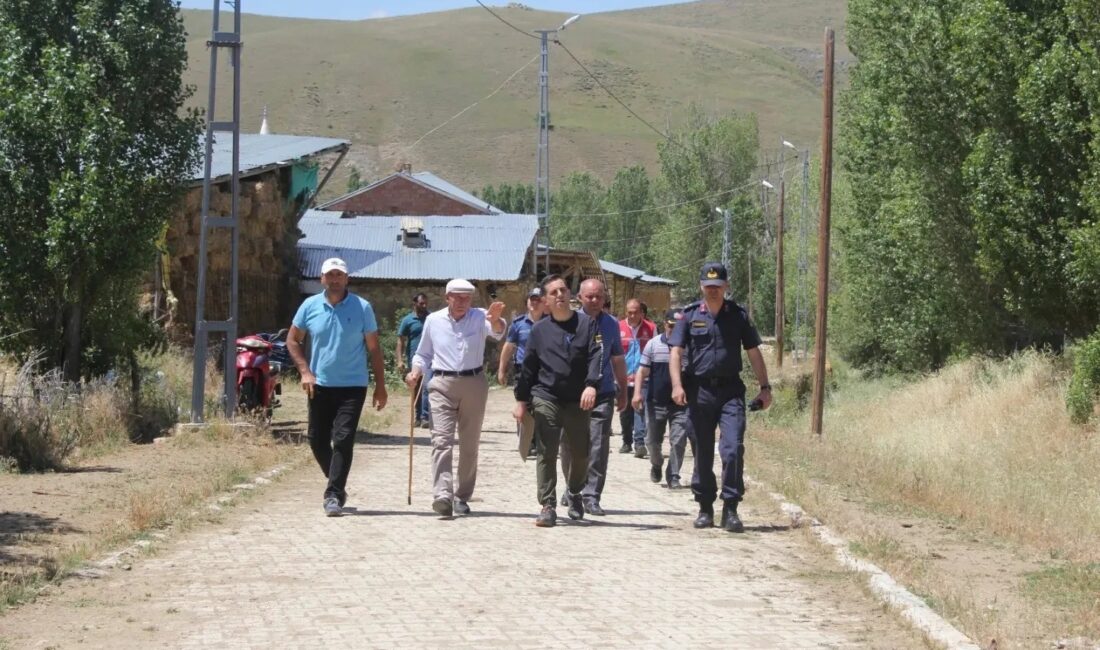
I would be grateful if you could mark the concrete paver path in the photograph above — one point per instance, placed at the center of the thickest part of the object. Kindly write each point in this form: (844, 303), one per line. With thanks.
(277, 573)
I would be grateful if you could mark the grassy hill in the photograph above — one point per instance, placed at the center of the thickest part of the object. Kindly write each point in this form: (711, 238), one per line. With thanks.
(384, 83)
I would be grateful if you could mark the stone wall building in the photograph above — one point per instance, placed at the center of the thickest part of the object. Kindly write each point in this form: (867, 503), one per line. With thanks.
(279, 176)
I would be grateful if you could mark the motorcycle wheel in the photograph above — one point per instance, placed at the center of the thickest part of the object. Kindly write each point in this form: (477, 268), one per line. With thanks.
(249, 398)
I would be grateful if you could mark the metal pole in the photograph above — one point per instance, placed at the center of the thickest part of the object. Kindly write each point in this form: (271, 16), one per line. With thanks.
(726, 239)
(230, 360)
(823, 237)
(779, 289)
(198, 376)
(750, 282)
(801, 311)
(542, 167)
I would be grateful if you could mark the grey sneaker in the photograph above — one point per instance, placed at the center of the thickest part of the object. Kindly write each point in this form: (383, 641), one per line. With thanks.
(639, 451)
(548, 518)
(332, 507)
(443, 507)
(626, 448)
(655, 473)
(461, 507)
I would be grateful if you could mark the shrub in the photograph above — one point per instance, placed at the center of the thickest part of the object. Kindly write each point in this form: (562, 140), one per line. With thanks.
(34, 433)
(44, 420)
(1084, 384)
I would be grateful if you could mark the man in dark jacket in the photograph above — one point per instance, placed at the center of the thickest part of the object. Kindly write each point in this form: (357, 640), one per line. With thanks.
(557, 382)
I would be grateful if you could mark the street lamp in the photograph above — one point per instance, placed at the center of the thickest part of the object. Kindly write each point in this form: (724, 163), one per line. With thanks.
(542, 168)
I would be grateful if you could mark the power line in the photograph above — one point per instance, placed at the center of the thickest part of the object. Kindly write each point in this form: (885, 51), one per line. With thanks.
(768, 165)
(456, 115)
(669, 205)
(609, 93)
(498, 17)
(510, 77)
(697, 227)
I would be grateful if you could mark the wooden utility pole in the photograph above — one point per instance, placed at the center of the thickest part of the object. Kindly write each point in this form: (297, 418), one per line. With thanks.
(823, 237)
(779, 297)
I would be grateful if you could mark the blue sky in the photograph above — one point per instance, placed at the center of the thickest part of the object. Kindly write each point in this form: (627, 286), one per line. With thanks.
(360, 9)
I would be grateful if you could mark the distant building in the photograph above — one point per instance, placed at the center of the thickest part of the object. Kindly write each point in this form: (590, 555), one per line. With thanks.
(624, 283)
(390, 258)
(406, 193)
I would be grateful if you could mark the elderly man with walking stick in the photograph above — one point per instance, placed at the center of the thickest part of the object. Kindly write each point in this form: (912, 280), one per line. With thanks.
(452, 344)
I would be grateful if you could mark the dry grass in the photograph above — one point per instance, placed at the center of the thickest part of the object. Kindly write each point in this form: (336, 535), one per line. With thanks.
(971, 487)
(985, 441)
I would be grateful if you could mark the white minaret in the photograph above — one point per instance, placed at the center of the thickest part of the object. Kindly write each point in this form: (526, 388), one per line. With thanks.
(264, 129)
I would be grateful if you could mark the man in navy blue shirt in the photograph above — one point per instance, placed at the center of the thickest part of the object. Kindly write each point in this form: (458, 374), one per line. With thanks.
(610, 395)
(515, 344)
(342, 329)
(708, 342)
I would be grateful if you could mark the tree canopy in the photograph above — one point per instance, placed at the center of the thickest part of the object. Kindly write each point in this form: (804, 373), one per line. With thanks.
(971, 143)
(94, 150)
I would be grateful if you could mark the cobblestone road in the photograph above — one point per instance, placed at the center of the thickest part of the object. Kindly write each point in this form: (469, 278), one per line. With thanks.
(277, 573)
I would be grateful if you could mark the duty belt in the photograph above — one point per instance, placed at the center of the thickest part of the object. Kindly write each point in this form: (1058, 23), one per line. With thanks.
(458, 373)
(715, 382)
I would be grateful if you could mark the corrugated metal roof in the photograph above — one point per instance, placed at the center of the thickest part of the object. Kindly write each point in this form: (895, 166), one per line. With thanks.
(259, 153)
(627, 272)
(442, 185)
(476, 247)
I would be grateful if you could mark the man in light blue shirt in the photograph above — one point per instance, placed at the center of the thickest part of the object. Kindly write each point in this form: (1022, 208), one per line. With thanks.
(342, 329)
(452, 345)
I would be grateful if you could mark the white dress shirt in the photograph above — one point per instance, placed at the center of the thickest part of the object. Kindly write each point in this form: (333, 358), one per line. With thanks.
(454, 345)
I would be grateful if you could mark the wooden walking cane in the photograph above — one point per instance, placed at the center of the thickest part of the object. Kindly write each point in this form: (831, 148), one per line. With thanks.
(412, 421)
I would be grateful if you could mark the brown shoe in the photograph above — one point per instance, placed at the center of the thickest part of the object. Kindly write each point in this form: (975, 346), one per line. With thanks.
(548, 518)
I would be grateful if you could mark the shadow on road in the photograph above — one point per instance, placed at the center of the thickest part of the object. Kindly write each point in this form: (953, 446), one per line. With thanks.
(90, 469)
(17, 527)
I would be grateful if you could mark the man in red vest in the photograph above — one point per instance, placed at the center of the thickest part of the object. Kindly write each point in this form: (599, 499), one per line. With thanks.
(635, 331)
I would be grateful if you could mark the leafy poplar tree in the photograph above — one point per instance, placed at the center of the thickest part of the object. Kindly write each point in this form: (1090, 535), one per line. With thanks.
(95, 149)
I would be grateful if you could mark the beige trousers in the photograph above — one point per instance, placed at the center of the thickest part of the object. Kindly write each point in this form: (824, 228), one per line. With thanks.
(458, 406)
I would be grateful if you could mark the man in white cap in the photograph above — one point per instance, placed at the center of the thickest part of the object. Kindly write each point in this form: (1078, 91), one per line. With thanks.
(342, 329)
(452, 344)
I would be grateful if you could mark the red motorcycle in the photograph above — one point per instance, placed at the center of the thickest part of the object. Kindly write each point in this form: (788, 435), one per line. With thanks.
(258, 374)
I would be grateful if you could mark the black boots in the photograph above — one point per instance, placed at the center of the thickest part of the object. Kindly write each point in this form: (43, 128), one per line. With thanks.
(706, 516)
(731, 523)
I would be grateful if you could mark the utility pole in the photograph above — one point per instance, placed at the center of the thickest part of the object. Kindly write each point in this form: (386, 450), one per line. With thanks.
(726, 232)
(801, 306)
(542, 167)
(203, 328)
(823, 237)
(779, 289)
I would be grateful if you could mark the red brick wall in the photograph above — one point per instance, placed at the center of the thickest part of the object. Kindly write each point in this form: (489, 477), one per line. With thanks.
(402, 196)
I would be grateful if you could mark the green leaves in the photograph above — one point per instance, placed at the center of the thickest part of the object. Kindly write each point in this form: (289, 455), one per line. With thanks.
(970, 141)
(94, 150)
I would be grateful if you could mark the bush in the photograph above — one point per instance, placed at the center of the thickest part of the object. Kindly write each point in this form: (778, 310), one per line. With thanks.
(35, 433)
(1085, 381)
(44, 420)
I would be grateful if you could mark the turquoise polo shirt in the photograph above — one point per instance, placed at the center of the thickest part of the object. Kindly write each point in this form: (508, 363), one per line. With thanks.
(337, 349)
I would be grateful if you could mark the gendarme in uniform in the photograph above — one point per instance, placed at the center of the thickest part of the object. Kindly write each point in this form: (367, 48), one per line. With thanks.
(710, 345)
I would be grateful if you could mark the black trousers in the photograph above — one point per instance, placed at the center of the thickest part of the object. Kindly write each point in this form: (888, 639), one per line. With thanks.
(333, 420)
